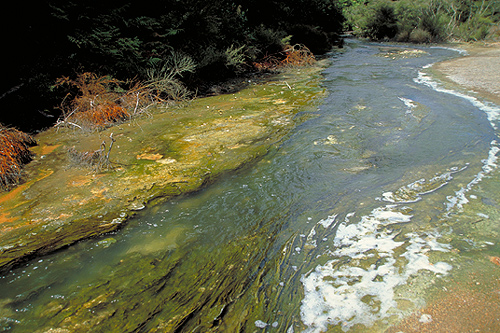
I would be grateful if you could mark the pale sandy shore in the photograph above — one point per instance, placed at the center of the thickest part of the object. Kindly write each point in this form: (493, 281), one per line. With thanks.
(478, 71)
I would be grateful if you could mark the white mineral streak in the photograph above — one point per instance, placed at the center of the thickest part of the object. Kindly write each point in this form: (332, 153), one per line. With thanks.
(337, 293)
(346, 292)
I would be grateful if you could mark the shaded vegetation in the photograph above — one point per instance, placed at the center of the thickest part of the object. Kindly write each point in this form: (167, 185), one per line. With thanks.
(88, 65)
(132, 41)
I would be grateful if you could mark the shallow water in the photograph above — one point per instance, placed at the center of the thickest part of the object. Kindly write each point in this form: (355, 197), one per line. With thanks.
(351, 223)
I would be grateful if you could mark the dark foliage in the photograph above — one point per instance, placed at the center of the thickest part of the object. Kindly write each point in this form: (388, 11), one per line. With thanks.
(383, 23)
(55, 38)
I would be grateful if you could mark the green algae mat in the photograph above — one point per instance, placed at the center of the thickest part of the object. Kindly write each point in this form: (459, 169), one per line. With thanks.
(165, 152)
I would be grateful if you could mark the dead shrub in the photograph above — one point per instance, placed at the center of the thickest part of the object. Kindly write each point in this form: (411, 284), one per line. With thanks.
(267, 63)
(297, 55)
(96, 104)
(137, 99)
(14, 153)
(100, 116)
(97, 160)
(291, 56)
(100, 101)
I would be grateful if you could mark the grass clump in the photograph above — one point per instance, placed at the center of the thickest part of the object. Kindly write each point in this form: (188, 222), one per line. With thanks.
(14, 153)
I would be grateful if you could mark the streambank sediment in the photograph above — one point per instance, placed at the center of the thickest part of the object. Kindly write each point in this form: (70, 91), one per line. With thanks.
(478, 71)
(164, 153)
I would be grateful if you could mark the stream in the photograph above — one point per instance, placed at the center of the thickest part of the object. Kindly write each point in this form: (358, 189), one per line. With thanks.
(356, 220)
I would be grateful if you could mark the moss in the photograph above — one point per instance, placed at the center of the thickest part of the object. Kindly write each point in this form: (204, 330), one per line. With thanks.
(155, 157)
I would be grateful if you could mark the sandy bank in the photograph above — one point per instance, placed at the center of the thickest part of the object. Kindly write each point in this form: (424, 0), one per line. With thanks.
(479, 71)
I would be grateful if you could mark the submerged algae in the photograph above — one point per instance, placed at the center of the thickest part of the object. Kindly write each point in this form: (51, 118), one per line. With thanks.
(161, 154)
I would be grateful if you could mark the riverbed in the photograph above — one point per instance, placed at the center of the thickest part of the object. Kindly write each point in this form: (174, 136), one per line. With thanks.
(379, 212)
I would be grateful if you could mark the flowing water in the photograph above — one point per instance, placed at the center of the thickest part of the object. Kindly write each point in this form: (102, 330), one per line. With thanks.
(366, 210)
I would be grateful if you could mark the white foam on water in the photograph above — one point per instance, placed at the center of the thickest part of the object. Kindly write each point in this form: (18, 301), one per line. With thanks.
(343, 293)
(310, 241)
(413, 192)
(462, 52)
(493, 114)
(415, 253)
(458, 200)
(356, 286)
(492, 111)
(326, 223)
(410, 104)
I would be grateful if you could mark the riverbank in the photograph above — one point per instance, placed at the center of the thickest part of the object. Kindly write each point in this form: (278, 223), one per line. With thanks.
(478, 71)
(166, 152)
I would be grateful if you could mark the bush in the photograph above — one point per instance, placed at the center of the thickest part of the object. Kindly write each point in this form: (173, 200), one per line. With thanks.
(420, 36)
(291, 56)
(164, 76)
(476, 28)
(14, 153)
(96, 104)
(424, 21)
(122, 38)
(383, 23)
(265, 41)
(494, 33)
(316, 40)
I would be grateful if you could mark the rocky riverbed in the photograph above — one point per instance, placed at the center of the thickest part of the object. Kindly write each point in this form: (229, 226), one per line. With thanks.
(165, 152)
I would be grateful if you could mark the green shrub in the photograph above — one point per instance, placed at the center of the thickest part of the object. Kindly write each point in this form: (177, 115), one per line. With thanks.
(236, 57)
(265, 41)
(163, 76)
(403, 36)
(424, 20)
(474, 29)
(383, 22)
(494, 33)
(420, 36)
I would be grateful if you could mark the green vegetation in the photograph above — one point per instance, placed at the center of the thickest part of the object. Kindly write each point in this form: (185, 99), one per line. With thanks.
(88, 65)
(132, 41)
(424, 21)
